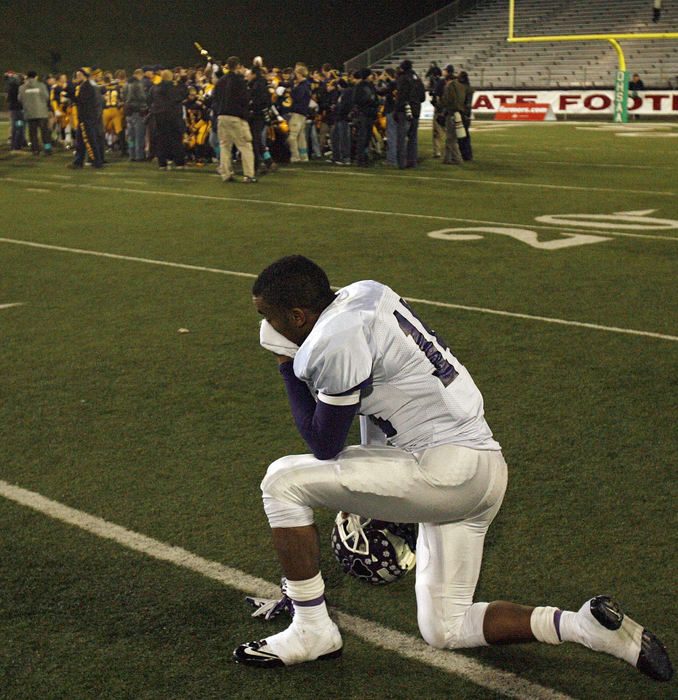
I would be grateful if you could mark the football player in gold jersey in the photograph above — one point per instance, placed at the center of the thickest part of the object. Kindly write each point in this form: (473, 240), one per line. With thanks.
(197, 128)
(65, 117)
(113, 111)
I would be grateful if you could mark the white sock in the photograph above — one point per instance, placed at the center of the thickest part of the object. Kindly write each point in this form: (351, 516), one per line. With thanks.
(545, 622)
(554, 626)
(308, 597)
(569, 627)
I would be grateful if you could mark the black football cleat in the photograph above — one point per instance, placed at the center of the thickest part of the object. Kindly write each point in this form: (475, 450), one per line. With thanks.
(653, 659)
(257, 654)
(619, 635)
(291, 646)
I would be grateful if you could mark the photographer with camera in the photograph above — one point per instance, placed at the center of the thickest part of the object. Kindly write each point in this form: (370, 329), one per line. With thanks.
(410, 94)
(452, 102)
(465, 111)
(438, 87)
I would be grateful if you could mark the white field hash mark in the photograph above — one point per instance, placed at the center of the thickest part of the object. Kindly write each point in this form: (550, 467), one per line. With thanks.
(9, 306)
(416, 649)
(440, 304)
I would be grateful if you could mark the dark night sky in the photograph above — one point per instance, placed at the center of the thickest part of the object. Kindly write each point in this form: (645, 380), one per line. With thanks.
(127, 33)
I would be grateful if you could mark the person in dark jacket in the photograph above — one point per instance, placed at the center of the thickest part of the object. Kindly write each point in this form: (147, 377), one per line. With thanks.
(341, 135)
(18, 128)
(167, 99)
(136, 110)
(438, 87)
(452, 102)
(466, 110)
(366, 106)
(433, 74)
(635, 84)
(86, 99)
(410, 94)
(231, 103)
(260, 103)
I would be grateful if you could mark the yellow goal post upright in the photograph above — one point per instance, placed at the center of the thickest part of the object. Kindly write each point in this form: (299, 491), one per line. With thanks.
(621, 83)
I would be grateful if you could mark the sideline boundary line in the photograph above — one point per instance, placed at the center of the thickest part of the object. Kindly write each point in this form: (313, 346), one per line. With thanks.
(326, 207)
(499, 681)
(441, 304)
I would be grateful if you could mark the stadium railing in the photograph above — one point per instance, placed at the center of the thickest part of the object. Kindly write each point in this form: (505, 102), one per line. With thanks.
(409, 34)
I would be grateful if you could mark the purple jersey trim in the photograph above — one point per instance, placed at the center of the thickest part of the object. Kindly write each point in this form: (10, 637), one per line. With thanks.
(324, 427)
(362, 385)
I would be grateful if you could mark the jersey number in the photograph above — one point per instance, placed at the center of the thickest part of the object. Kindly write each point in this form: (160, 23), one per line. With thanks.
(433, 349)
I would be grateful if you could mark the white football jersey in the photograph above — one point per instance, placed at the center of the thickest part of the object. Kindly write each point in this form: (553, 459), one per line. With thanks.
(368, 346)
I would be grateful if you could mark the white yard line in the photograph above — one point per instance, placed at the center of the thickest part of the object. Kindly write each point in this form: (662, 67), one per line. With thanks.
(326, 207)
(474, 181)
(130, 258)
(9, 306)
(494, 679)
(546, 319)
(580, 164)
(442, 304)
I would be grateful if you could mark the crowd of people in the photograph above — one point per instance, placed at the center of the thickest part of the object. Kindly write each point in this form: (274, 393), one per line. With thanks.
(263, 117)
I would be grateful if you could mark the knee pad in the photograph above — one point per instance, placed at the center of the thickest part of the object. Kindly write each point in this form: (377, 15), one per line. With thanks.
(433, 631)
(281, 514)
(459, 631)
(283, 508)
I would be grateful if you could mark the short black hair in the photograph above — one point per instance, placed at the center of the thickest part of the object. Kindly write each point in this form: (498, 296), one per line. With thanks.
(294, 282)
(31, 74)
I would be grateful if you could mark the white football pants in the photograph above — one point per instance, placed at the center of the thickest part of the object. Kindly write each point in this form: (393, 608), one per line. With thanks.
(453, 492)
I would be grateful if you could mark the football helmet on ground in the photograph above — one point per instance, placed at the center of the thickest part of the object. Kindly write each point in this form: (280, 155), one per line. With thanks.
(374, 551)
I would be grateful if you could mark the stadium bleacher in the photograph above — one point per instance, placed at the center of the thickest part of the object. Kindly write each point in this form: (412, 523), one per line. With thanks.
(476, 42)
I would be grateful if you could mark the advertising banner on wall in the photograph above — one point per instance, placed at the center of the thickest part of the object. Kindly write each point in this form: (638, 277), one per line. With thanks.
(525, 111)
(574, 103)
(581, 102)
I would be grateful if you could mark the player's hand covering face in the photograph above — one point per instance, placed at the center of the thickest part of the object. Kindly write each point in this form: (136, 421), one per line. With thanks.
(286, 321)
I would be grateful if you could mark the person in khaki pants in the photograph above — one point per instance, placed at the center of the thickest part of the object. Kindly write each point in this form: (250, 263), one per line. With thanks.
(231, 104)
(452, 101)
(301, 98)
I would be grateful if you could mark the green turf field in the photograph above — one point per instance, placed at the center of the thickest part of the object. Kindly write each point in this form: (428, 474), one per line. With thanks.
(108, 408)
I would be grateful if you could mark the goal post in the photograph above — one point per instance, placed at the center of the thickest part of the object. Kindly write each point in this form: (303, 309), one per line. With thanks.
(622, 75)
